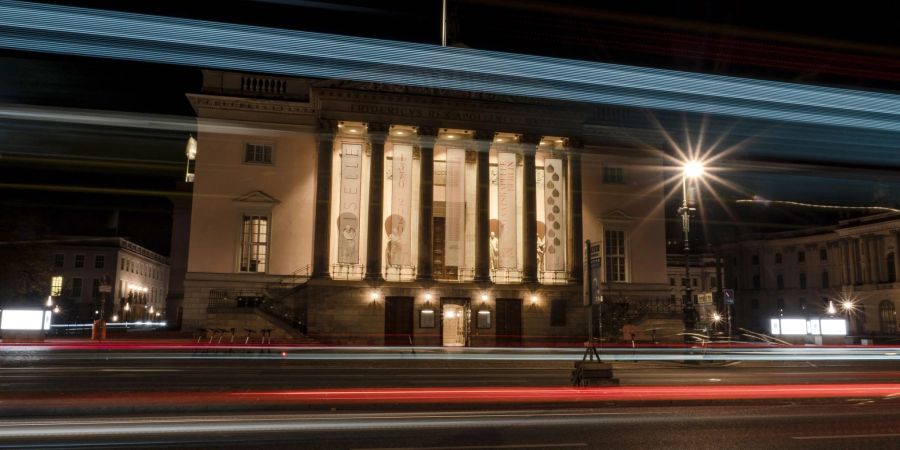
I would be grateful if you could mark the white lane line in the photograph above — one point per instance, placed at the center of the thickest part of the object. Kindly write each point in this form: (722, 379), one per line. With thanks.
(846, 436)
(566, 444)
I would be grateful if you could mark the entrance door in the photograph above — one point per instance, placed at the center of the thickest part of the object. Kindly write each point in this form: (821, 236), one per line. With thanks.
(454, 322)
(398, 320)
(509, 322)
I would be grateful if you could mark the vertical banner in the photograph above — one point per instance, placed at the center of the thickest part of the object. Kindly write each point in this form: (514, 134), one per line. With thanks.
(555, 215)
(506, 209)
(348, 212)
(399, 235)
(454, 244)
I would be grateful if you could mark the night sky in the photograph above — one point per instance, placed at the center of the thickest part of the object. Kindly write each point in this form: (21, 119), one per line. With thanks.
(78, 174)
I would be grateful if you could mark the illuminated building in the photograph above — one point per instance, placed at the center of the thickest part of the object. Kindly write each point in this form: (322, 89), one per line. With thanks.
(799, 273)
(361, 212)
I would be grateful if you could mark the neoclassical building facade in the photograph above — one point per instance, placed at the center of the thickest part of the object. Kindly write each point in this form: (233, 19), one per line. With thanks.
(395, 215)
(799, 273)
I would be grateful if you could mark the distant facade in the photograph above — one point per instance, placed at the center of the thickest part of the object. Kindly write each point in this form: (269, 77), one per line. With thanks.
(704, 283)
(798, 274)
(136, 277)
(359, 212)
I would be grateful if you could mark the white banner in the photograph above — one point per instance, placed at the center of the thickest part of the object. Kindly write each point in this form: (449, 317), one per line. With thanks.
(348, 211)
(399, 248)
(555, 215)
(454, 243)
(506, 209)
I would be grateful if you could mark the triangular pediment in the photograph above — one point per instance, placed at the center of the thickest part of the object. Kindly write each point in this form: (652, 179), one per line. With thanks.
(256, 198)
(617, 215)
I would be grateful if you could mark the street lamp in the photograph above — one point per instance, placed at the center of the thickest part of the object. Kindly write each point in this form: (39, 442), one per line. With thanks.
(848, 306)
(690, 171)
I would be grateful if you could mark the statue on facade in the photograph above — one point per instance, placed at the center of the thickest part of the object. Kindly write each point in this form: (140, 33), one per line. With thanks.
(394, 249)
(495, 251)
(540, 253)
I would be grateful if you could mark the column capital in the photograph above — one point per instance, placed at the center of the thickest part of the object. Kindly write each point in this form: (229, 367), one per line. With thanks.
(530, 139)
(427, 131)
(485, 136)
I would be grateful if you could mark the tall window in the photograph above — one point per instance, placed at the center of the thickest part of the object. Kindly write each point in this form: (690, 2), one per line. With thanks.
(99, 261)
(79, 261)
(823, 254)
(802, 281)
(76, 287)
(254, 243)
(825, 281)
(613, 175)
(56, 286)
(801, 256)
(59, 260)
(887, 316)
(615, 255)
(258, 153)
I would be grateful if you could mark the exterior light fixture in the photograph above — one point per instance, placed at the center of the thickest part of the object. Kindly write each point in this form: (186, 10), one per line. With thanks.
(716, 317)
(56, 309)
(500, 139)
(49, 301)
(374, 296)
(693, 169)
(831, 309)
(534, 299)
(451, 136)
(127, 307)
(115, 318)
(484, 297)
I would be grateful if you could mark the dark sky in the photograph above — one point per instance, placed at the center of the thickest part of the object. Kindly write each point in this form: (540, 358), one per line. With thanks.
(842, 44)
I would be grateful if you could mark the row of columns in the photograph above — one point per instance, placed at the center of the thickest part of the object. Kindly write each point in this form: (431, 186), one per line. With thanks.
(377, 135)
(864, 260)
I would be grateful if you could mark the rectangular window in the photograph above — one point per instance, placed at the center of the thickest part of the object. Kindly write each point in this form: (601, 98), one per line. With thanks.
(671, 281)
(99, 261)
(802, 281)
(823, 254)
(123, 264)
(56, 286)
(613, 175)
(558, 313)
(79, 261)
(615, 255)
(59, 260)
(258, 153)
(254, 243)
(76, 287)
(801, 256)
(684, 281)
(825, 280)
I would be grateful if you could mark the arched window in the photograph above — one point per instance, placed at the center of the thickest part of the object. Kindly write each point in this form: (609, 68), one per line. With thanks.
(891, 268)
(888, 317)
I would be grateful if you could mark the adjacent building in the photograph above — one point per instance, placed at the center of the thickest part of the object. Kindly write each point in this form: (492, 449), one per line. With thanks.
(360, 212)
(130, 281)
(849, 269)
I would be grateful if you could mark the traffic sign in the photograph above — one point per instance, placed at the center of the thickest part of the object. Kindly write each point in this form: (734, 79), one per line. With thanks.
(729, 296)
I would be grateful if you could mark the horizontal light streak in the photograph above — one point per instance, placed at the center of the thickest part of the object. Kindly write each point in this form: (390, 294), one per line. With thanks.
(118, 35)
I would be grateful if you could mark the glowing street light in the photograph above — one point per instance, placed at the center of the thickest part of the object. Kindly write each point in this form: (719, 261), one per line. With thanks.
(716, 318)
(691, 170)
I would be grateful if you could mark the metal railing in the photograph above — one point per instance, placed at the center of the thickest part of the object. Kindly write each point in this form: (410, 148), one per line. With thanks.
(348, 271)
(506, 276)
(553, 277)
(400, 273)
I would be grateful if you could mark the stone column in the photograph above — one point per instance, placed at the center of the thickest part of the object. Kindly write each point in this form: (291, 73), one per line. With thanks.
(576, 258)
(529, 266)
(845, 262)
(377, 134)
(322, 230)
(482, 207)
(856, 255)
(897, 256)
(874, 266)
(425, 271)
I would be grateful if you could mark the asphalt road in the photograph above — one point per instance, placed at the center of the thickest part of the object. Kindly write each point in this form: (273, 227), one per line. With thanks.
(855, 425)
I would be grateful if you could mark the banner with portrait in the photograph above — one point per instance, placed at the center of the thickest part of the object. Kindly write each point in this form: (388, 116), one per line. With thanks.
(454, 243)
(399, 234)
(506, 210)
(555, 215)
(349, 204)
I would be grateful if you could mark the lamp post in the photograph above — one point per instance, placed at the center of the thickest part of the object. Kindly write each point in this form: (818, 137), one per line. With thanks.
(690, 171)
(848, 307)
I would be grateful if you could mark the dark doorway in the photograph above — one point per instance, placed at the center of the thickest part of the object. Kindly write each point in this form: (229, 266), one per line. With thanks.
(509, 322)
(398, 320)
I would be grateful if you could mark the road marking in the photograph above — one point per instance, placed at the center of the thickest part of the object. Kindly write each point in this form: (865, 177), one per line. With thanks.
(846, 436)
(567, 444)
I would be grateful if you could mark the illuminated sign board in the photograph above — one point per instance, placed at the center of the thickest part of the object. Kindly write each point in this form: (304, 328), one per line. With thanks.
(814, 327)
(20, 319)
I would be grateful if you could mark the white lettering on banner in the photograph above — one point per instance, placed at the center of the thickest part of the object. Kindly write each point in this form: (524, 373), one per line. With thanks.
(348, 215)
(555, 215)
(399, 244)
(454, 249)
(506, 209)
